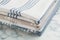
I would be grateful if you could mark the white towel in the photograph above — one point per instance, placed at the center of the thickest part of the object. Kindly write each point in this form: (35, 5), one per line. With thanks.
(36, 11)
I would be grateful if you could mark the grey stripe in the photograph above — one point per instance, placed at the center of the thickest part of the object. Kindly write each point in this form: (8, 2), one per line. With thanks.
(4, 2)
(28, 5)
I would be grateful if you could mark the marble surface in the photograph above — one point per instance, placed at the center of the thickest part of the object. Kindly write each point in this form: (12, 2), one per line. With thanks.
(52, 31)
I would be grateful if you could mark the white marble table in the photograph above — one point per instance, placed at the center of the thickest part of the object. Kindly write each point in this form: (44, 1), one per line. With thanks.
(52, 32)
